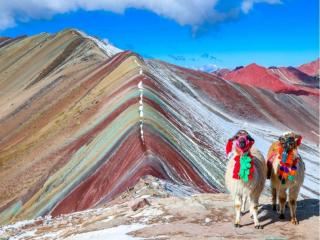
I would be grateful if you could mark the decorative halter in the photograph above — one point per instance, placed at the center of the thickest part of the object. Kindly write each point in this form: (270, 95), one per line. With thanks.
(288, 162)
(243, 168)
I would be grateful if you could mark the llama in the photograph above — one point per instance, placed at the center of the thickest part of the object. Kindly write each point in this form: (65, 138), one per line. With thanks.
(286, 171)
(245, 174)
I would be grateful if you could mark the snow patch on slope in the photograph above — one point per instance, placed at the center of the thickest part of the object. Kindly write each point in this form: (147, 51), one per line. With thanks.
(108, 49)
(119, 233)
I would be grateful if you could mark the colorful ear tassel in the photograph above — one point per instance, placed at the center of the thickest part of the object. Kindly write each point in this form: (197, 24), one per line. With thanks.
(229, 146)
(299, 140)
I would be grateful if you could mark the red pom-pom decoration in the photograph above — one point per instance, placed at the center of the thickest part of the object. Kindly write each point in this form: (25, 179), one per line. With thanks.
(236, 168)
(229, 146)
(299, 140)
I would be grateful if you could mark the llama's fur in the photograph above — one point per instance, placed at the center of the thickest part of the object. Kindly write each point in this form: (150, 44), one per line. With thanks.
(251, 190)
(292, 186)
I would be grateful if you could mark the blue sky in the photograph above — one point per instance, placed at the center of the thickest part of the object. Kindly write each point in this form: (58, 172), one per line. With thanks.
(228, 34)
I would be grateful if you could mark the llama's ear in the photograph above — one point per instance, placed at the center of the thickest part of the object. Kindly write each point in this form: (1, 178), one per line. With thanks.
(298, 139)
(229, 146)
(250, 139)
(281, 139)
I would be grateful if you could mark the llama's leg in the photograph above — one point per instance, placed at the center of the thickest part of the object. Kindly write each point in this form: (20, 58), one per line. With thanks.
(237, 208)
(274, 199)
(254, 204)
(293, 195)
(282, 202)
(250, 210)
(243, 206)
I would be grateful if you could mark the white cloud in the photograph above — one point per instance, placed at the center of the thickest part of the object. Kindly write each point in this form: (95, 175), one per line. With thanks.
(247, 5)
(106, 41)
(184, 12)
(207, 68)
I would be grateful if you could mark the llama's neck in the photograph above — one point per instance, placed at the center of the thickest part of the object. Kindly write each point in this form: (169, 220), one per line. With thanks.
(243, 165)
(287, 165)
(239, 153)
(287, 157)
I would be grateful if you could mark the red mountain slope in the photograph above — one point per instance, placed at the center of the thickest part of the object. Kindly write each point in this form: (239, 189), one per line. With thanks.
(286, 80)
(311, 68)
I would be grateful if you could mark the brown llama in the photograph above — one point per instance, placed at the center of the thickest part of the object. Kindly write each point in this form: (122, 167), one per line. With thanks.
(286, 170)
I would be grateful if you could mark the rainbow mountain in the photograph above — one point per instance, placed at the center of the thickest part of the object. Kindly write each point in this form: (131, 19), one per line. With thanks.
(82, 121)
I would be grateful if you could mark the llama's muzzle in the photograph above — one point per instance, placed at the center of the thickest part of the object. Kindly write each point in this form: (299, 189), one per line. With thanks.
(243, 143)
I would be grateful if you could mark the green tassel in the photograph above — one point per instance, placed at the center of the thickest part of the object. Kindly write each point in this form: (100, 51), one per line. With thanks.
(245, 165)
(291, 178)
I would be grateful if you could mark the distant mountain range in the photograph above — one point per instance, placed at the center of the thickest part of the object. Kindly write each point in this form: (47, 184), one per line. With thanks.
(82, 121)
(301, 80)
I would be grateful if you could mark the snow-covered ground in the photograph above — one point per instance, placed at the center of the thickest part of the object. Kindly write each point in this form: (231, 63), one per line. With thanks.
(119, 233)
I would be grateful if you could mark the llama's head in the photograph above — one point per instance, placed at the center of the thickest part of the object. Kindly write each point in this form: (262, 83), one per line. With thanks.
(290, 141)
(243, 142)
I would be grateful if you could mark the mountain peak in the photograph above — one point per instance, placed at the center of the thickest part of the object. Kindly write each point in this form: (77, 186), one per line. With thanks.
(311, 68)
(253, 65)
